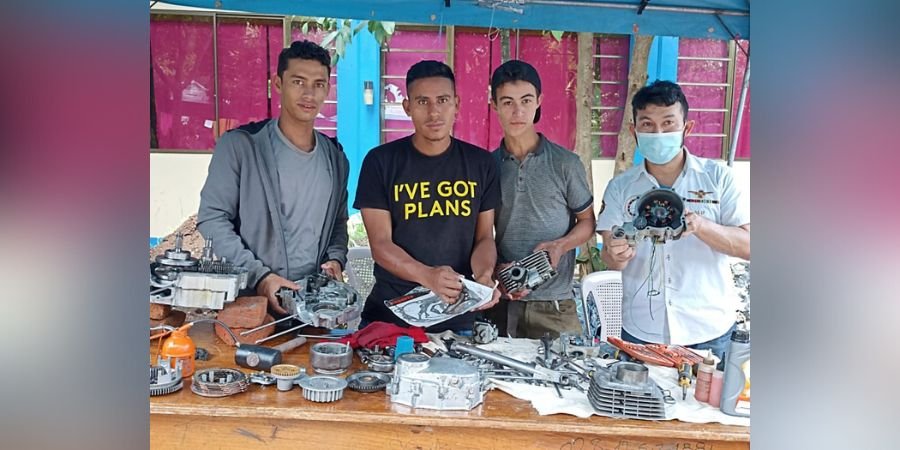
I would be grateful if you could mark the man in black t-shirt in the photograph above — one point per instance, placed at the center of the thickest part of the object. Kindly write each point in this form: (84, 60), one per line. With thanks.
(427, 202)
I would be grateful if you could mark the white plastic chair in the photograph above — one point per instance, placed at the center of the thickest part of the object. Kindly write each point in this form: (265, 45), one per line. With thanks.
(601, 296)
(360, 266)
(359, 270)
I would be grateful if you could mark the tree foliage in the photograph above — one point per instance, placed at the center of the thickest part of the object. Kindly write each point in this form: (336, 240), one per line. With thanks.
(340, 32)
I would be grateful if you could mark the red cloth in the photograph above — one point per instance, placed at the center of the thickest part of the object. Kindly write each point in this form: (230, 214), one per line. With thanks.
(383, 334)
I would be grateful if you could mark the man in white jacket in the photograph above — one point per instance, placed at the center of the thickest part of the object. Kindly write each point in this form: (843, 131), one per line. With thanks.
(680, 292)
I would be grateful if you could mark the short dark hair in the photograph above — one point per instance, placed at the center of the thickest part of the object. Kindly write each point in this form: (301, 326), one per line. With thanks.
(516, 70)
(303, 50)
(427, 69)
(659, 93)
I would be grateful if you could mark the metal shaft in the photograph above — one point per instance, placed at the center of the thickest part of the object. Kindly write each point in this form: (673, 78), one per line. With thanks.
(319, 336)
(280, 334)
(510, 377)
(540, 373)
(267, 325)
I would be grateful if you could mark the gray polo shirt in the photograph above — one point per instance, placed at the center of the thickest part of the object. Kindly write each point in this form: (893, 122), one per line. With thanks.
(539, 199)
(304, 179)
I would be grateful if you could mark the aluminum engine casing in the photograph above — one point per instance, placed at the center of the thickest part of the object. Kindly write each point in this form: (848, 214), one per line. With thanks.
(626, 390)
(659, 217)
(436, 383)
(322, 301)
(202, 290)
(527, 273)
(177, 279)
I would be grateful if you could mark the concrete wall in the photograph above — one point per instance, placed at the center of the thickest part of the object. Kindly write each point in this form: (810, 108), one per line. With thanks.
(175, 183)
(176, 180)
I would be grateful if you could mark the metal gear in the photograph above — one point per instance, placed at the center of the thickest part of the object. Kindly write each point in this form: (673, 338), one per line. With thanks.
(163, 390)
(365, 381)
(323, 388)
(286, 374)
(165, 379)
(177, 256)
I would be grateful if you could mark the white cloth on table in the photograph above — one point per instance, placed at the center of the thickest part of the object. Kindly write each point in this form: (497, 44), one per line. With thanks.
(546, 401)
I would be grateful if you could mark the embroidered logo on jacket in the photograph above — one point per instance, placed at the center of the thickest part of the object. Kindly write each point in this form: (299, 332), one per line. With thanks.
(701, 197)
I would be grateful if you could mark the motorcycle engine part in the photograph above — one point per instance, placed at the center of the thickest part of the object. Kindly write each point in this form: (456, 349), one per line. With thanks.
(537, 372)
(176, 256)
(285, 374)
(625, 389)
(219, 382)
(381, 363)
(330, 358)
(201, 354)
(323, 388)
(659, 216)
(484, 331)
(165, 379)
(605, 350)
(436, 383)
(178, 279)
(321, 301)
(256, 357)
(262, 378)
(527, 273)
(368, 381)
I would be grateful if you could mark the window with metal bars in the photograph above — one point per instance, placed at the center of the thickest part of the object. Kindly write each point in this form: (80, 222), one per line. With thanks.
(610, 92)
(408, 45)
(710, 72)
(211, 72)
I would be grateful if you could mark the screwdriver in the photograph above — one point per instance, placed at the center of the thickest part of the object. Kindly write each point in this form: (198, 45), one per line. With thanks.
(684, 377)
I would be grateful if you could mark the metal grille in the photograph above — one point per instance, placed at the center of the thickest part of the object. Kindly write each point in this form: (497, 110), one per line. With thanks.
(602, 294)
(625, 390)
(360, 268)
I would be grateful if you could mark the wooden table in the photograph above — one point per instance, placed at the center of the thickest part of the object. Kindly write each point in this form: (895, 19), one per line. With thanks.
(265, 417)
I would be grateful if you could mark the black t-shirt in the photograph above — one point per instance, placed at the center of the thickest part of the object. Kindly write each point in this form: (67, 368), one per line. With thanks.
(434, 202)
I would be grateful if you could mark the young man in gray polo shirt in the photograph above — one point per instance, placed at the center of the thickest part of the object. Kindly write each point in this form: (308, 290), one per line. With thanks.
(546, 204)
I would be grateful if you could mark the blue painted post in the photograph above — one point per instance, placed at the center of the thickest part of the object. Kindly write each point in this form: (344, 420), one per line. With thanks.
(358, 123)
(663, 61)
(662, 65)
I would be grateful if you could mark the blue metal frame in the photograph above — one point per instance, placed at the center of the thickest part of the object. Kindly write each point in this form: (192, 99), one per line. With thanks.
(361, 62)
(691, 18)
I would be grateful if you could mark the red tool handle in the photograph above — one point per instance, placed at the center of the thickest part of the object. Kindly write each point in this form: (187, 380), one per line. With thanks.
(405, 298)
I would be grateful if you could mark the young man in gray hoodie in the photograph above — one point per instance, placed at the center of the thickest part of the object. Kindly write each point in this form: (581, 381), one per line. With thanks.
(275, 199)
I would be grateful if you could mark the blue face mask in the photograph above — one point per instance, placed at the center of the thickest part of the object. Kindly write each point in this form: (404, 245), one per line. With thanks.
(660, 148)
